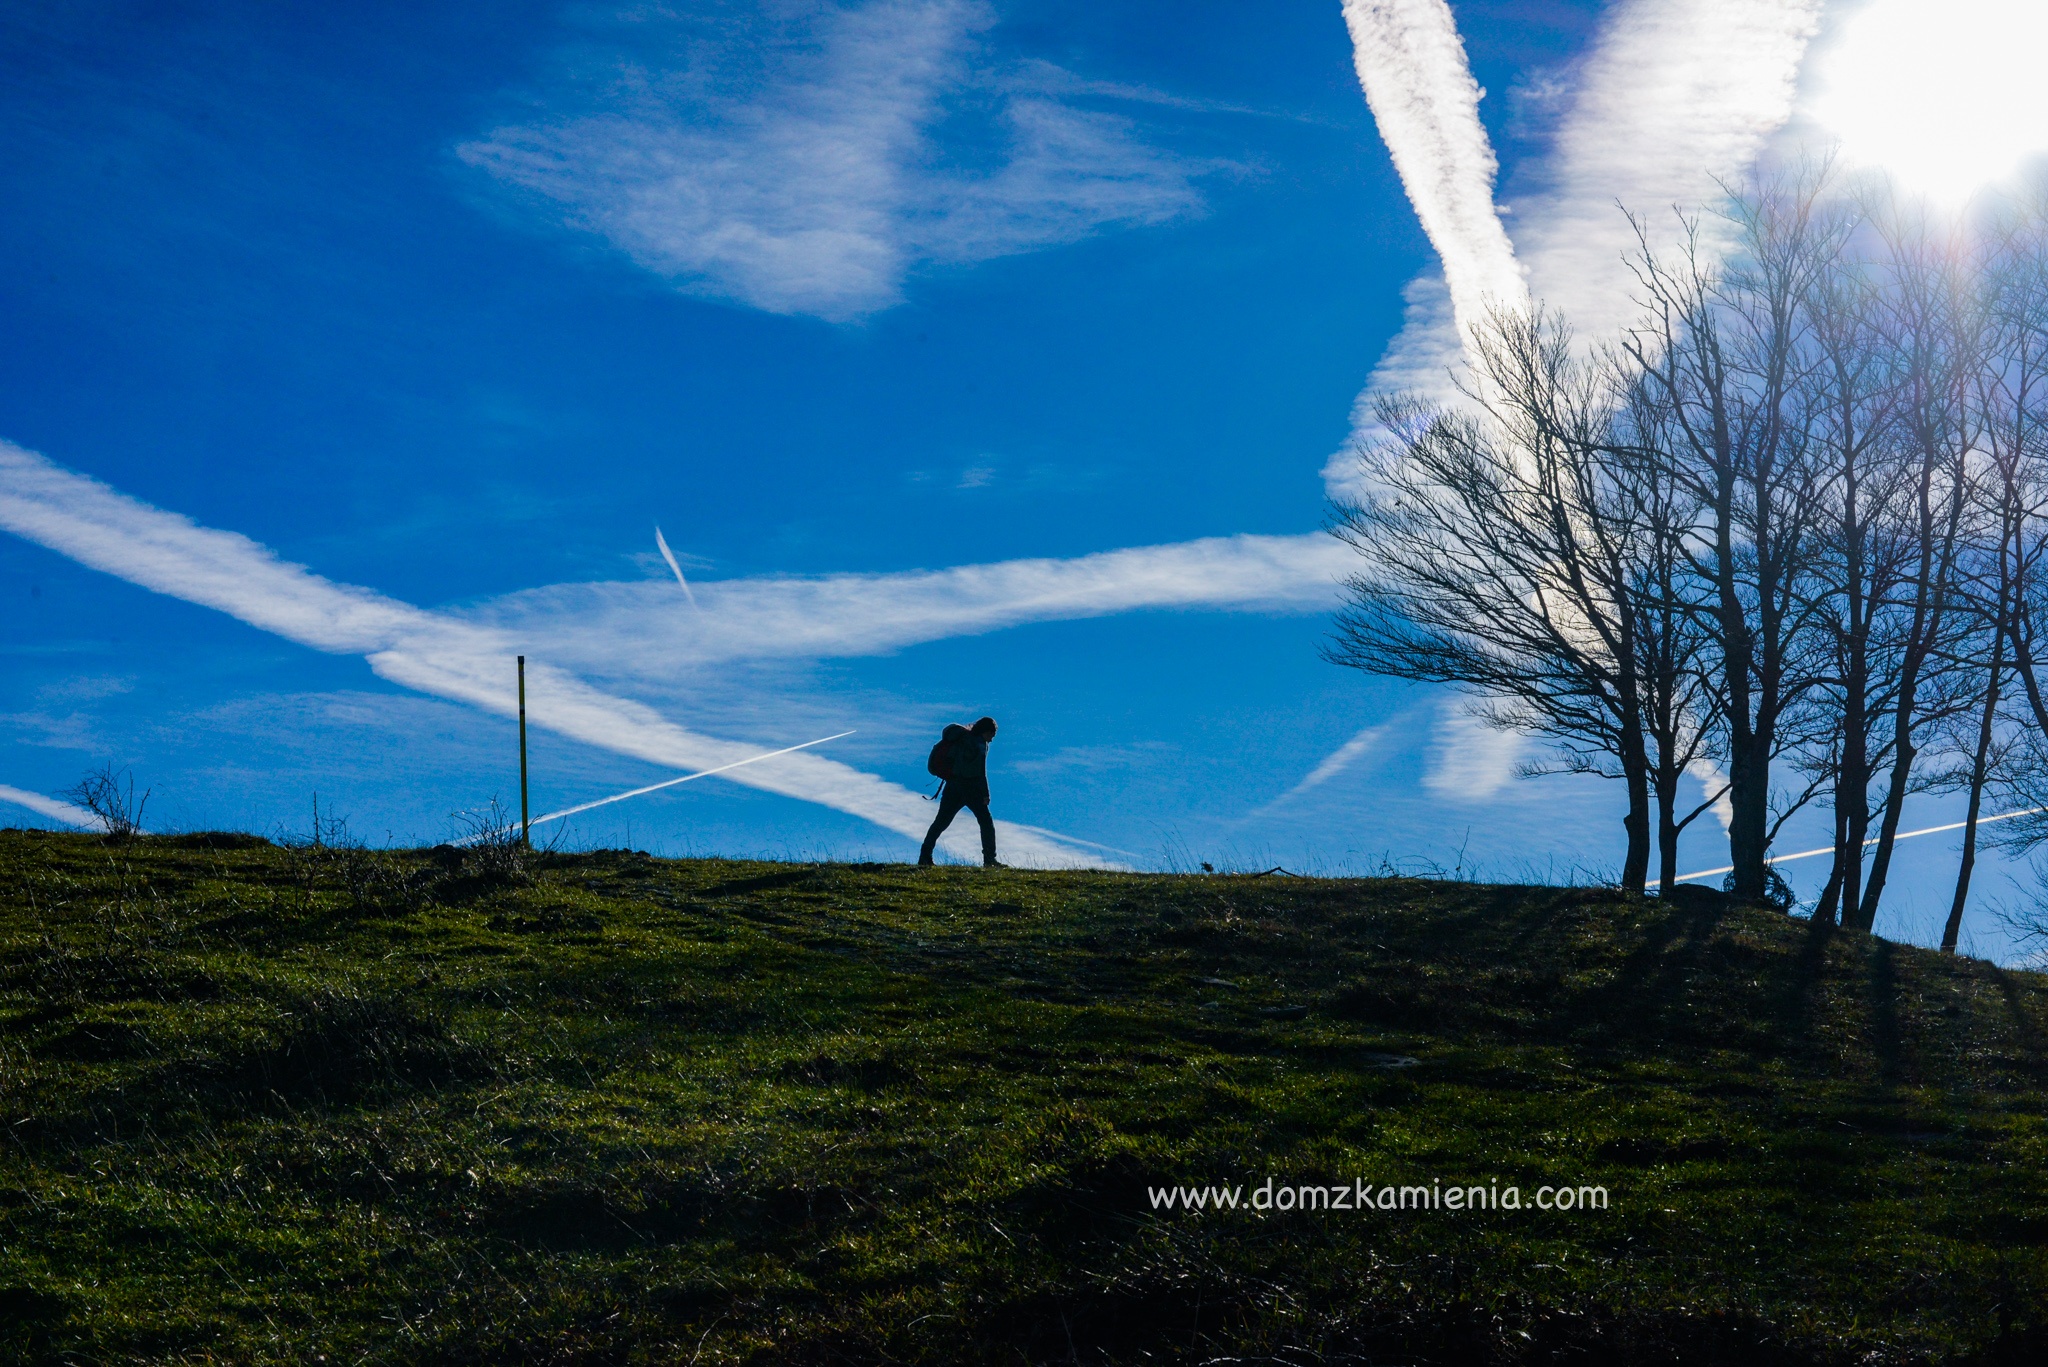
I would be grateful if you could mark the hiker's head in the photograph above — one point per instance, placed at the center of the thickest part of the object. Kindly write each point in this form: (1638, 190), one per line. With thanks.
(985, 728)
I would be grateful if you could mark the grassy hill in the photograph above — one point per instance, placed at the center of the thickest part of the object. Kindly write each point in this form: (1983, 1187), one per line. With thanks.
(279, 1105)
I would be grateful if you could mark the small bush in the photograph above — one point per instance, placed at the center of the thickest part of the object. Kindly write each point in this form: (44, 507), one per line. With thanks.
(110, 796)
(493, 847)
(1778, 894)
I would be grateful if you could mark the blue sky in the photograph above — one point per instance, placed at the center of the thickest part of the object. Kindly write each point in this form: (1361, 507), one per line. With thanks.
(452, 305)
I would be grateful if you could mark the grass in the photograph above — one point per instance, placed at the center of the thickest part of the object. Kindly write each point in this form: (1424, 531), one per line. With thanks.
(275, 1105)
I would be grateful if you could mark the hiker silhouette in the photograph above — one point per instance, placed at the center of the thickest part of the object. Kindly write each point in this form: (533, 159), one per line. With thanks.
(961, 759)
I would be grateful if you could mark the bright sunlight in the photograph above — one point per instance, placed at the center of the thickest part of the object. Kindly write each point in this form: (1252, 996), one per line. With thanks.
(1944, 94)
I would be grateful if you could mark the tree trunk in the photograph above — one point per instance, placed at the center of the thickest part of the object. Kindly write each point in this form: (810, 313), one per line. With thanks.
(1667, 835)
(1903, 755)
(1930, 601)
(1635, 773)
(1852, 793)
(1749, 827)
(1978, 762)
(1830, 896)
(1824, 909)
(1852, 776)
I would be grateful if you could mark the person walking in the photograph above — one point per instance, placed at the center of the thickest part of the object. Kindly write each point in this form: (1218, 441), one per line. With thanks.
(961, 759)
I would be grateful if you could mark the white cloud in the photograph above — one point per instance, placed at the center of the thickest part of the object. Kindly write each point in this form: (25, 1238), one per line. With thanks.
(821, 182)
(1340, 759)
(1426, 358)
(668, 558)
(87, 688)
(1713, 779)
(1097, 759)
(1676, 98)
(1411, 65)
(1470, 759)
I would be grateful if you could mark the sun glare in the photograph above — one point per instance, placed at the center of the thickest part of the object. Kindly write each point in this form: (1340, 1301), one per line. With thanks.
(1947, 95)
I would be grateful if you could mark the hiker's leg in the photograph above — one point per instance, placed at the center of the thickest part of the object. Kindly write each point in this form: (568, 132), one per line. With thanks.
(949, 807)
(988, 830)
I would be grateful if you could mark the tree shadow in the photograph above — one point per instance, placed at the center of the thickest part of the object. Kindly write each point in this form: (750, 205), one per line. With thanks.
(1653, 975)
(1886, 1037)
(2026, 1029)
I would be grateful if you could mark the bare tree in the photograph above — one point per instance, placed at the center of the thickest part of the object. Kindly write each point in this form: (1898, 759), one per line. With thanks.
(1681, 709)
(1503, 556)
(1985, 752)
(1860, 561)
(1726, 354)
(1935, 333)
(1796, 525)
(2003, 575)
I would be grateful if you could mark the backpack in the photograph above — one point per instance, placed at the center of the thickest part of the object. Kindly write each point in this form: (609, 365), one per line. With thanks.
(940, 764)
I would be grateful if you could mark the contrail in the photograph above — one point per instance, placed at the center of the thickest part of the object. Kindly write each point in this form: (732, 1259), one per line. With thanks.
(430, 652)
(1335, 763)
(1339, 759)
(1412, 66)
(638, 629)
(1675, 100)
(670, 556)
(52, 808)
(672, 782)
(1076, 840)
(1902, 835)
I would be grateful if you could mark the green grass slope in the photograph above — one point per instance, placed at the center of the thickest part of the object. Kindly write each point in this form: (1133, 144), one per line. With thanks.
(270, 1105)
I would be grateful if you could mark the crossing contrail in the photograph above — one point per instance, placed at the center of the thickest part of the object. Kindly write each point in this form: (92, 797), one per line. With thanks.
(1902, 835)
(430, 652)
(1411, 64)
(661, 543)
(686, 778)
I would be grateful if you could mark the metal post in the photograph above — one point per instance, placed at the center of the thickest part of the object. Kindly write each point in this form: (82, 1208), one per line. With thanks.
(525, 825)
